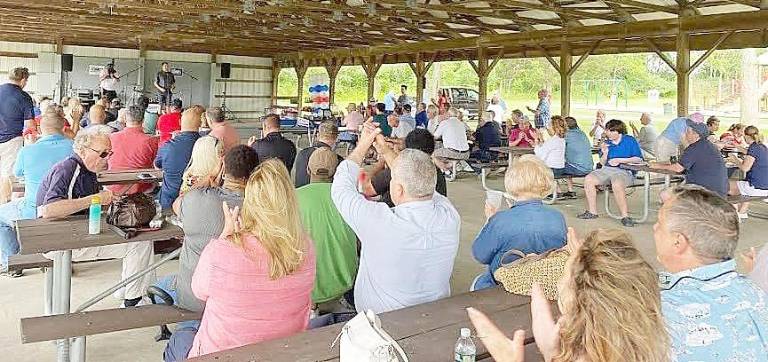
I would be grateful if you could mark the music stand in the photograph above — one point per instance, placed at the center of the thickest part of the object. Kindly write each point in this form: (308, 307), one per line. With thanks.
(228, 114)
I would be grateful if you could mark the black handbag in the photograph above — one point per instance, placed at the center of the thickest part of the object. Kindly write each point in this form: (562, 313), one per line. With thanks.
(131, 211)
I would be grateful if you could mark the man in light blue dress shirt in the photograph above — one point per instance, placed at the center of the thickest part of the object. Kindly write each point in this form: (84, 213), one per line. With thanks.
(407, 252)
(712, 312)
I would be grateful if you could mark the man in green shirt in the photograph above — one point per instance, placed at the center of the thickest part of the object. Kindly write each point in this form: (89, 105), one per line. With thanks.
(335, 242)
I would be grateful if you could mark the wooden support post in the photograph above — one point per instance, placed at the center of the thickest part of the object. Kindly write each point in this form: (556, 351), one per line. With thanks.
(709, 51)
(483, 68)
(276, 68)
(301, 70)
(566, 67)
(681, 69)
(333, 67)
(371, 66)
(420, 68)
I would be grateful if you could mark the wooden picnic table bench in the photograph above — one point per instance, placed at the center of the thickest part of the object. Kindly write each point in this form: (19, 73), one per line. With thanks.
(61, 326)
(426, 332)
(61, 236)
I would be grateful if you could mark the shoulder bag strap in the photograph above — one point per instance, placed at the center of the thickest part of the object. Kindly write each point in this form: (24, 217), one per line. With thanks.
(511, 252)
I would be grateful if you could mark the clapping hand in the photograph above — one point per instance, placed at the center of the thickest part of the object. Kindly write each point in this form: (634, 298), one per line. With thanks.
(749, 259)
(501, 348)
(232, 221)
(545, 330)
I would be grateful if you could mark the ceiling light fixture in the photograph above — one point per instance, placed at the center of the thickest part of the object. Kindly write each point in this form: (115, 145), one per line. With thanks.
(371, 9)
(338, 15)
(249, 6)
(307, 22)
(410, 3)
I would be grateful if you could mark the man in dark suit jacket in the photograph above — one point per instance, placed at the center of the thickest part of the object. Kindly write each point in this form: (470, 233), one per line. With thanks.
(327, 135)
(273, 144)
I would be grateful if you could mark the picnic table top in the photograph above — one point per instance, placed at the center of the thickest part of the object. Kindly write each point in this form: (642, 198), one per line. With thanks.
(122, 177)
(648, 168)
(44, 235)
(426, 332)
(525, 150)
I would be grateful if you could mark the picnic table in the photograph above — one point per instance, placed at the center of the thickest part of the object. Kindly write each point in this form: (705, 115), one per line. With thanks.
(63, 235)
(125, 177)
(647, 170)
(114, 177)
(426, 332)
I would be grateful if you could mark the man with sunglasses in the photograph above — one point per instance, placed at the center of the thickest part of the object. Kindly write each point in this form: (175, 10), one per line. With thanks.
(67, 190)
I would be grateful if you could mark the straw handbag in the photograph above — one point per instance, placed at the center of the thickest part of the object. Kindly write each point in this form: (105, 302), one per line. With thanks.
(546, 269)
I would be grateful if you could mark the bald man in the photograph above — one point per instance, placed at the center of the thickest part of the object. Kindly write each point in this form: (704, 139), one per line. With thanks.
(646, 136)
(174, 155)
(273, 144)
(33, 163)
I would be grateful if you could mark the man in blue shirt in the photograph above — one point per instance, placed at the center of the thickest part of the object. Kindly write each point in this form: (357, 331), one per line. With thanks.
(701, 161)
(668, 142)
(487, 135)
(173, 158)
(619, 149)
(33, 163)
(578, 154)
(16, 115)
(712, 312)
(422, 120)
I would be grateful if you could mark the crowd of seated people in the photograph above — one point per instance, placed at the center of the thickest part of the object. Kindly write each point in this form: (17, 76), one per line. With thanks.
(262, 251)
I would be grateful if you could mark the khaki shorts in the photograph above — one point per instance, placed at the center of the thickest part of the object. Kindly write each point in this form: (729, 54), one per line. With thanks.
(451, 154)
(609, 174)
(8, 152)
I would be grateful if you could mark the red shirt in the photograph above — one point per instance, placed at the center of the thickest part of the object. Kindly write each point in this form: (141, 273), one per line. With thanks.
(527, 135)
(167, 124)
(132, 150)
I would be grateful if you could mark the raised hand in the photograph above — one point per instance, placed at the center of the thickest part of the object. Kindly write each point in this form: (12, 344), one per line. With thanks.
(232, 221)
(501, 348)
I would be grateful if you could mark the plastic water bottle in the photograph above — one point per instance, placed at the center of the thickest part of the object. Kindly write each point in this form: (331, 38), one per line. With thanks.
(94, 216)
(465, 350)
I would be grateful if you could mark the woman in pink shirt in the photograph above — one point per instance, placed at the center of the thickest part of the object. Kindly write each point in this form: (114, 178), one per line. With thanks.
(256, 281)
(523, 136)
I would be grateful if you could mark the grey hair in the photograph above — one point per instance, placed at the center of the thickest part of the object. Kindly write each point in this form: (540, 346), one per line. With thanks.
(134, 115)
(85, 137)
(215, 114)
(708, 221)
(416, 172)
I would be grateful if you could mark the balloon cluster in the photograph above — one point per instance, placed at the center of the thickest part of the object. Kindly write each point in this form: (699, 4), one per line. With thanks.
(318, 94)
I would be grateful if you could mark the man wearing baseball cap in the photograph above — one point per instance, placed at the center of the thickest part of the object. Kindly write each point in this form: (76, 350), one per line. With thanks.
(335, 242)
(327, 135)
(701, 161)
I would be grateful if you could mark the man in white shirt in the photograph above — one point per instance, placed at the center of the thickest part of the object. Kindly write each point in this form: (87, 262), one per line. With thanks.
(453, 132)
(408, 251)
(499, 112)
(108, 79)
(646, 136)
(389, 102)
(598, 128)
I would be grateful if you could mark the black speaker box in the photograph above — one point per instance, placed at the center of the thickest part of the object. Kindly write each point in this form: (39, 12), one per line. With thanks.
(226, 68)
(66, 62)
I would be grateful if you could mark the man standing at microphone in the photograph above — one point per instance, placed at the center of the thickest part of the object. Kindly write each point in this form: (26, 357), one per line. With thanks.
(108, 78)
(165, 82)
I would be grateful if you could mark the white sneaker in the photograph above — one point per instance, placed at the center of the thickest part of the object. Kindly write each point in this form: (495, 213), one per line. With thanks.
(119, 294)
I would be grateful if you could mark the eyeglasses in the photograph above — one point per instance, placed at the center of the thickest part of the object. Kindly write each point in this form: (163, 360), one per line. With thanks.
(102, 154)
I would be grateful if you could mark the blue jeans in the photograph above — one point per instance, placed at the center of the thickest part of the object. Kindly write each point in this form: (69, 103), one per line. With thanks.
(9, 245)
(181, 340)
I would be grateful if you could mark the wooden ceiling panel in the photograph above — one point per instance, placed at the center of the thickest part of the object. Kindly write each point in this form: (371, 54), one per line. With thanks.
(284, 27)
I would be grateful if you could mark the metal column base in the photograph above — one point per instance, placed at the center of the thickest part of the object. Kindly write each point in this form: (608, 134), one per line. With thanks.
(646, 200)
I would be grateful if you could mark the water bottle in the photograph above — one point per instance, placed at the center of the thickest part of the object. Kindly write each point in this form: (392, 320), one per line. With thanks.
(465, 350)
(94, 216)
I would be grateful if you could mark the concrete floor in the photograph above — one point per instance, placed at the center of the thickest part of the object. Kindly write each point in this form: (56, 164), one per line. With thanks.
(22, 297)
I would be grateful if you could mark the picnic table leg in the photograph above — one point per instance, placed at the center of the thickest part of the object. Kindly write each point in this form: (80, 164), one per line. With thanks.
(608, 205)
(48, 291)
(62, 282)
(78, 349)
(646, 197)
(482, 179)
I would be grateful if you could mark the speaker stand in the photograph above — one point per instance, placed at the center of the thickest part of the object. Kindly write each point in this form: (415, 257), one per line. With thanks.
(228, 114)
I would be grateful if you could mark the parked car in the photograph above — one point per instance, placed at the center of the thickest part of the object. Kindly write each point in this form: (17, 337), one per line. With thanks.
(465, 99)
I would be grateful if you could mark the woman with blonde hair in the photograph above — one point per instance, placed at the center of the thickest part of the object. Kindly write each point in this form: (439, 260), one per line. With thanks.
(529, 226)
(256, 279)
(610, 304)
(205, 165)
(734, 136)
(755, 166)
